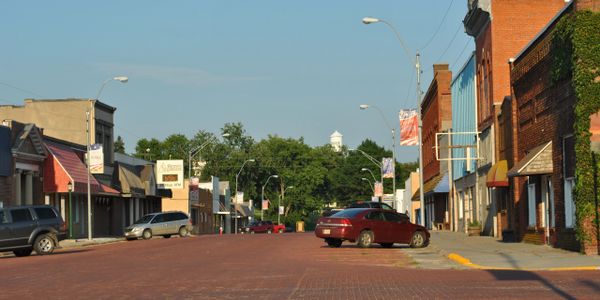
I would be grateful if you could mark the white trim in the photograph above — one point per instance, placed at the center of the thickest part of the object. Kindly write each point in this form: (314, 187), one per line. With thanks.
(28, 167)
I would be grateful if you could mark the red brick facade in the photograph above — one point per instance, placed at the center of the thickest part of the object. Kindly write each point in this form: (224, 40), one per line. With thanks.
(436, 110)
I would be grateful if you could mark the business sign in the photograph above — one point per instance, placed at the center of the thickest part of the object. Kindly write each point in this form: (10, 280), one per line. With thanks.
(169, 174)
(281, 210)
(96, 159)
(388, 167)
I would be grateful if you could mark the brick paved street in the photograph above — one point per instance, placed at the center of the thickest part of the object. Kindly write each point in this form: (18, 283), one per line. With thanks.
(279, 266)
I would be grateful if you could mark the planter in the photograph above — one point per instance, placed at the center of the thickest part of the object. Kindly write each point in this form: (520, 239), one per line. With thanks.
(474, 231)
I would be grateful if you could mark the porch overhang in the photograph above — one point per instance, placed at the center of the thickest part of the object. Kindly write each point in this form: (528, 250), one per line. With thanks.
(537, 162)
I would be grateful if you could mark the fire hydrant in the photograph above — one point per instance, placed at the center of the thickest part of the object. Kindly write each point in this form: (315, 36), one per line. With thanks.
(220, 230)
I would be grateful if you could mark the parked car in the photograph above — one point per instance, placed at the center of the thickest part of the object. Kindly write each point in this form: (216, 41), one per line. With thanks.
(24, 229)
(370, 204)
(162, 223)
(371, 225)
(263, 227)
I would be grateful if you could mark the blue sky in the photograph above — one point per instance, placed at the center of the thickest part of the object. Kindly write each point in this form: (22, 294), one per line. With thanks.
(289, 68)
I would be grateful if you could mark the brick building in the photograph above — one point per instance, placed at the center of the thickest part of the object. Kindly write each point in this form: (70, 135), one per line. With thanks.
(436, 111)
(544, 143)
(501, 28)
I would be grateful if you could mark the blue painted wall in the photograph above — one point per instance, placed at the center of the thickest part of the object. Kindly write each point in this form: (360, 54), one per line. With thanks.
(463, 116)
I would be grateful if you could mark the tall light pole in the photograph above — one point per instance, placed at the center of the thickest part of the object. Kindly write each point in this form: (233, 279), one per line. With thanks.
(417, 64)
(365, 169)
(279, 204)
(236, 191)
(191, 154)
(370, 184)
(373, 160)
(365, 106)
(262, 196)
(122, 79)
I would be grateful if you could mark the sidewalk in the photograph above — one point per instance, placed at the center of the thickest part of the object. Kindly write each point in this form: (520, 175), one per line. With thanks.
(72, 243)
(489, 253)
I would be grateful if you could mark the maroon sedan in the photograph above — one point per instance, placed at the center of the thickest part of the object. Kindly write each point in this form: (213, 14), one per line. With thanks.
(371, 225)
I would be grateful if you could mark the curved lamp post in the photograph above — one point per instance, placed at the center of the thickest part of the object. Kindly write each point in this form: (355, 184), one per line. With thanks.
(122, 79)
(236, 192)
(279, 204)
(417, 64)
(370, 184)
(365, 169)
(262, 196)
(366, 106)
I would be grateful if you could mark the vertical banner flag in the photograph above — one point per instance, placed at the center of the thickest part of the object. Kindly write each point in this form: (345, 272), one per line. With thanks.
(96, 159)
(388, 167)
(281, 210)
(265, 204)
(409, 126)
(378, 189)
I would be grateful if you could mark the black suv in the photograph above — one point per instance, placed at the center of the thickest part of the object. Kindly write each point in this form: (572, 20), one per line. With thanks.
(32, 227)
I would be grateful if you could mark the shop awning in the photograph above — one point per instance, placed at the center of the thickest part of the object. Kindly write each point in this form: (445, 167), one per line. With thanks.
(537, 162)
(242, 210)
(438, 184)
(496, 176)
(66, 165)
(127, 180)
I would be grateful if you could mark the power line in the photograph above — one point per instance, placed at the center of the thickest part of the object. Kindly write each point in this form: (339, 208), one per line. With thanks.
(451, 41)
(461, 52)
(439, 26)
(20, 89)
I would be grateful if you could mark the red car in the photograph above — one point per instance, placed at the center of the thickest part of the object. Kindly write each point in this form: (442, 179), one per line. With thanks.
(371, 225)
(263, 226)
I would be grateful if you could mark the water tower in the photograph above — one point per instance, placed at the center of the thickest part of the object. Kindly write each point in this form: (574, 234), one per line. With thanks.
(335, 139)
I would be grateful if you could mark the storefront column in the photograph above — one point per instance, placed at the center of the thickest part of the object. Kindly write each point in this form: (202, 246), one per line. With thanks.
(18, 187)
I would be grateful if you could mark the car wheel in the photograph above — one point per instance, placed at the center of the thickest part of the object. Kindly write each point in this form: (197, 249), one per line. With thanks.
(280, 230)
(387, 245)
(418, 240)
(44, 244)
(365, 239)
(334, 243)
(183, 232)
(166, 236)
(22, 252)
(269, 231)
(147, 234)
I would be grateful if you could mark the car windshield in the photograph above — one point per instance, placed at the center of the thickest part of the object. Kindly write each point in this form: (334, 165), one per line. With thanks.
(348, 213)
(145, 219)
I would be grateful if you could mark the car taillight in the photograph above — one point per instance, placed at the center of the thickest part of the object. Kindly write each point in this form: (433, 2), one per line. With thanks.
(346, 223)
(63, 226)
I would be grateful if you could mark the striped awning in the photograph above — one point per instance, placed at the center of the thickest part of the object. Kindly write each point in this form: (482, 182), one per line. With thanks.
(496, 176)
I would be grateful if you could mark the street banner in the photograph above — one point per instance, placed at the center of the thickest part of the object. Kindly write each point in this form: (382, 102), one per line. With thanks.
(96, 159)
(388, 167)
(281, 210)
(169, 174)
(409, 127)
(378, 189)
(265, 204)
(239, 197)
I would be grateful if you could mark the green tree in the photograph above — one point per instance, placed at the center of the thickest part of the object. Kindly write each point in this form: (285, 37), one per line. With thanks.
(119, 145)
(149, 149)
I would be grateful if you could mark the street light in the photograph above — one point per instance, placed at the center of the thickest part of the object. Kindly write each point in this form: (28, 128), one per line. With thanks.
(122, 79)
(365, 169)
(365, 106)
(370, 184)
(417, 64)
(262, 196)
(193, 152)
(373, 160)
(279, 204)
(236, 191)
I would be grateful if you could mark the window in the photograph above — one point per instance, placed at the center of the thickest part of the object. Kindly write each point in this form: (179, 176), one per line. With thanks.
(375, 215)
(392, 217)
(347, 213)
(21, 215)
(531, 204)
(569, 203)
(45, 213)
(158, 219)
(3, 219)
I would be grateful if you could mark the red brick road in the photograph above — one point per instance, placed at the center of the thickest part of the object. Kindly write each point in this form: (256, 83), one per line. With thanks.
(279, 266)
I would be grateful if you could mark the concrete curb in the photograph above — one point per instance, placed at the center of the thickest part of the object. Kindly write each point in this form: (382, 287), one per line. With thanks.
(467, 263)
